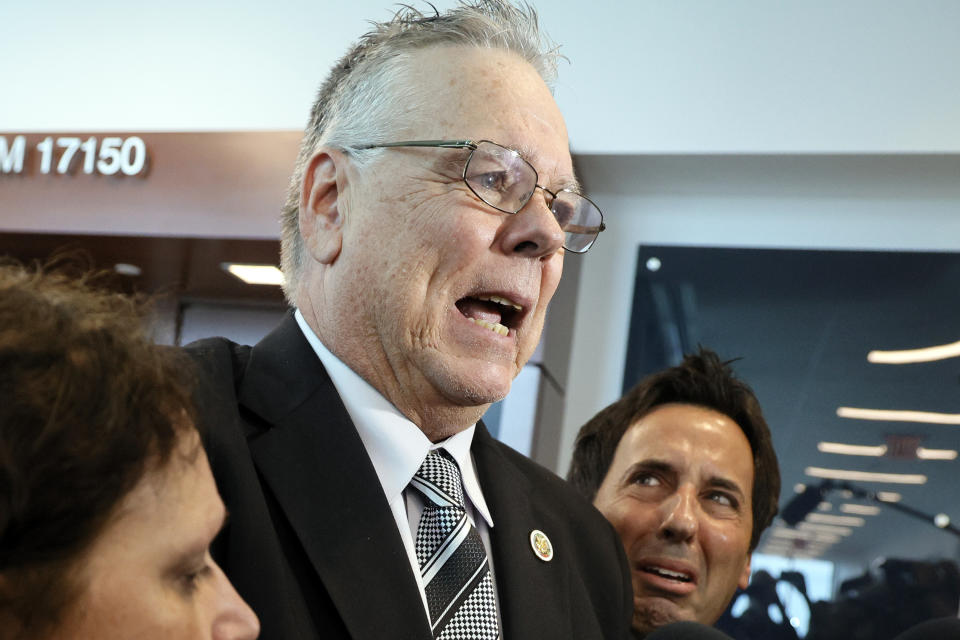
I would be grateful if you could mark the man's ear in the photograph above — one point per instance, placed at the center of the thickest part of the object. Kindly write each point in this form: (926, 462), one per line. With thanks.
(321, 219)
(745, 576)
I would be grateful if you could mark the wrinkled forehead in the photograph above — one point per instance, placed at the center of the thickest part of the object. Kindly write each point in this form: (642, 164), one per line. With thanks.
(691, 436)
(459, 92)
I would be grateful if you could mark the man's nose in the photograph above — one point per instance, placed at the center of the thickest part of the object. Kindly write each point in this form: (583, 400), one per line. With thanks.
(680, 515)
(533, 231)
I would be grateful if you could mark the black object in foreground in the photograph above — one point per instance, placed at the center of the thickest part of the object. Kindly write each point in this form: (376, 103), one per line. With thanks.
(691, 631)
(937, 629)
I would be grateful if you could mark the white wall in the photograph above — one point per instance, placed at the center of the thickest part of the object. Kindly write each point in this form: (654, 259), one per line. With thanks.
(647, 76)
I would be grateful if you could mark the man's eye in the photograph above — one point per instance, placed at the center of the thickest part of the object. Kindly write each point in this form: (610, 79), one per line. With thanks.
(492, 180)
(723, 499)
(563, 211)
(646, 480)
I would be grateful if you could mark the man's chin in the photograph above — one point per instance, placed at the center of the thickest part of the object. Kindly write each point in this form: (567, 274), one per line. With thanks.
(472, 384)
(651, 613)
(473, 393)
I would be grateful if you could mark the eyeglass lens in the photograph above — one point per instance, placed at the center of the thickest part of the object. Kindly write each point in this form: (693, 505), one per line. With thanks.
(505, 181)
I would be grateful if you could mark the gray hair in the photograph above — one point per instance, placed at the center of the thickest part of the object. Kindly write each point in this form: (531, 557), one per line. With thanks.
(357, 103)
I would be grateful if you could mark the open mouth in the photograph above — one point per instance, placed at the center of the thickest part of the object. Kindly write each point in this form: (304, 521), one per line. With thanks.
(493, 312)
(678, 576)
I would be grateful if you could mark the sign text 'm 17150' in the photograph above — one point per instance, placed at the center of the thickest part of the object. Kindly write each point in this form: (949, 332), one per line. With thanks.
(66, 155)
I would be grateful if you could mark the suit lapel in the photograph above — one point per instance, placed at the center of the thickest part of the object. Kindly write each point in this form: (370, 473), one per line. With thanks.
(532, 593)
(315, 464)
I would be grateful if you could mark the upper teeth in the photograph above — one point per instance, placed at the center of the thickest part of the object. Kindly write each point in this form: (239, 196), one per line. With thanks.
(670, 574)
(501, 300)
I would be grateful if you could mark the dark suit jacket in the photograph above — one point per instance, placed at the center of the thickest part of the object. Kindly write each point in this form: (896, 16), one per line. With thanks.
(312, 545)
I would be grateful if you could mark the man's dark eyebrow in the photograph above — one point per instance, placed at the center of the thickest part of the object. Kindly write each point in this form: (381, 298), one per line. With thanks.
(652, 464)
(726, 483)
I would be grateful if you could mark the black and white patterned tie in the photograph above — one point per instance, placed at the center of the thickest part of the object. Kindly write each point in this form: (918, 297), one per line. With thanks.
(453, 561)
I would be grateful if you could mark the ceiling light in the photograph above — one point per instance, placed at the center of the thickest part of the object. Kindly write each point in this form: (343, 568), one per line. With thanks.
(793, 551)
(824, 506)
(899, 416)
(797, 534)
(127, 269)
(799, 487)
(888, 496)
(825, 528)
(936, 454)
(860, 509)
(846, 521)
(852, 449)
(255, 273)
(942, 520)
(907, 356)
(866, 476)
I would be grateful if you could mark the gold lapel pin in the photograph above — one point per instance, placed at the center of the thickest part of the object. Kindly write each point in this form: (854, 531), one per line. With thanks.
(541, 545)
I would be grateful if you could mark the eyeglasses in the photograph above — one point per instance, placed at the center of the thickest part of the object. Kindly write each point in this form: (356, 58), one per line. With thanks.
(501, 178)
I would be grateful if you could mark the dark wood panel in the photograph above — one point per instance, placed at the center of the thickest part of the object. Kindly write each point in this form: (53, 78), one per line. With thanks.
(189, 268)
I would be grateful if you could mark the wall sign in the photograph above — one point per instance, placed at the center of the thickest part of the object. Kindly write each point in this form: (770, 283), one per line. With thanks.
(70, 155)
(205, 184)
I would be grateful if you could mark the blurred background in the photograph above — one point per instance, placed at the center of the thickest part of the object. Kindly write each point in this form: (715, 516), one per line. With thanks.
(781, 183)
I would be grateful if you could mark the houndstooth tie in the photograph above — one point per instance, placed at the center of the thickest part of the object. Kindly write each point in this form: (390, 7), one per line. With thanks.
(453, 561)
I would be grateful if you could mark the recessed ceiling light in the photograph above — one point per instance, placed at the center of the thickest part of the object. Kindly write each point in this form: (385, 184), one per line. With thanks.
(788, 550)
(888, 496)
(255, 273)
(906, 356)
(825, 528)
(936, 454)
(127, 269)
(845, 521)
(942, 520)
(799, 487)
(797, 534)
(899, 416)
(852, 449)
(866, 476)
(824, 506)
(860, 509)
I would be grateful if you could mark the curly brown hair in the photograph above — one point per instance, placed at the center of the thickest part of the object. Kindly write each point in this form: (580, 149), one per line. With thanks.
(88, 405)
(701, 379)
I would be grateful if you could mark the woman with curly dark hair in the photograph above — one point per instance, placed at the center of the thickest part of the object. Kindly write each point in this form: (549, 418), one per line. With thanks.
(107, 503)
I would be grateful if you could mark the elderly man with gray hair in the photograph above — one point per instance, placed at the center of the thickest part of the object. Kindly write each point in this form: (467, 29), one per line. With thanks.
(432, 205)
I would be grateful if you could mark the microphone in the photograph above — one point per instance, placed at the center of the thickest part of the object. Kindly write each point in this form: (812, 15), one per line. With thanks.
(939, 628)
(690, 631)
(804, 503)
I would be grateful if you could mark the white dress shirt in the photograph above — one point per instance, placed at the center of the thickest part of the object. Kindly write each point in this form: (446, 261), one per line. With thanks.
(397, 447)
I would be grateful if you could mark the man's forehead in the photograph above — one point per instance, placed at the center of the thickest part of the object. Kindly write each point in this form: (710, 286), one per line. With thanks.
(461, 93)
(716, 445)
